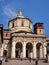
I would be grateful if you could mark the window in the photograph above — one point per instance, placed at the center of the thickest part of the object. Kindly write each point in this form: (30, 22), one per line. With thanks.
(6, 34)
(40, 30)
(22, 24)
(13, 24)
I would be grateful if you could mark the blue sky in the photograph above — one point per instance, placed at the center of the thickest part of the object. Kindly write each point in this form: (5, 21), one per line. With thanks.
(37, 10)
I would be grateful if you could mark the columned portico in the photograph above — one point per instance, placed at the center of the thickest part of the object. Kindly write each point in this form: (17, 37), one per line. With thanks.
(24, 50)
(13, 50)
(34, 50)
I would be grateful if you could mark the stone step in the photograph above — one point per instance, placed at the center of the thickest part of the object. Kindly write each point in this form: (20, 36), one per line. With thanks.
(23, 62)
(17, 62)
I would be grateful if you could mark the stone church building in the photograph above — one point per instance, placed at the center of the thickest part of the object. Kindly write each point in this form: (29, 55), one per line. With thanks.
(18, 41)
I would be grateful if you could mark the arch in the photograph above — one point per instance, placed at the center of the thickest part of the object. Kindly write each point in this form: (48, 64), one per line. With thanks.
(29, 50)
(18, 49)
(5, 53)
(39, 50)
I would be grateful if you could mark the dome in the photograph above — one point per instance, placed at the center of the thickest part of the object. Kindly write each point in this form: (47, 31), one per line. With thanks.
(20, 23)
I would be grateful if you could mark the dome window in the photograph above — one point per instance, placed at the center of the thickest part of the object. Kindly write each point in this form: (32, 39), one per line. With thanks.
(13, 24)
(22, 24)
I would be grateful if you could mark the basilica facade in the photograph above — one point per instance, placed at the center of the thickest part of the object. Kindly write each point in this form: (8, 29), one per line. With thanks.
(19, 41)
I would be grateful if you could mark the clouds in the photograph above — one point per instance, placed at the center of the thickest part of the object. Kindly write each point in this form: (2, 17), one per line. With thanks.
(9, 12)
(10, 9)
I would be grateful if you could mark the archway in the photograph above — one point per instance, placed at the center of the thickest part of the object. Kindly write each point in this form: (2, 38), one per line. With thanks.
(5, 53)
(39, 51)
(29, 50)
(18, 50)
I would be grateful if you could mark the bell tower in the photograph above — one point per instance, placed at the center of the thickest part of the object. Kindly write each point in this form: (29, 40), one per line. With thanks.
(39, 28)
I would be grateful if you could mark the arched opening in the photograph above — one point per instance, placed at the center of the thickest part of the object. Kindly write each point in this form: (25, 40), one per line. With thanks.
(39, 50)
(29, 50)
(18, 50)
(5, 53)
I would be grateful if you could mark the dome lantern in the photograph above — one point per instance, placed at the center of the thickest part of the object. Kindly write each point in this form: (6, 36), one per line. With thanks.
(19, 13)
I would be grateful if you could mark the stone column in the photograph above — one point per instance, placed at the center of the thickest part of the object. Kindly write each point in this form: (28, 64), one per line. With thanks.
(44, 48)
(13, 50)
(41, 52)
(24, 50)
(34, 50)
(2, 50)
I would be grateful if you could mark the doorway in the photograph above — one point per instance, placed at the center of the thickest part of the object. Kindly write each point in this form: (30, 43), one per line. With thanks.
(18, 50)
(29, 50)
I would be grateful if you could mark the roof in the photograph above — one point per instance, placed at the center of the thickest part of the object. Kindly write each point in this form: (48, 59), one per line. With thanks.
(20, 18)
(38, 23)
